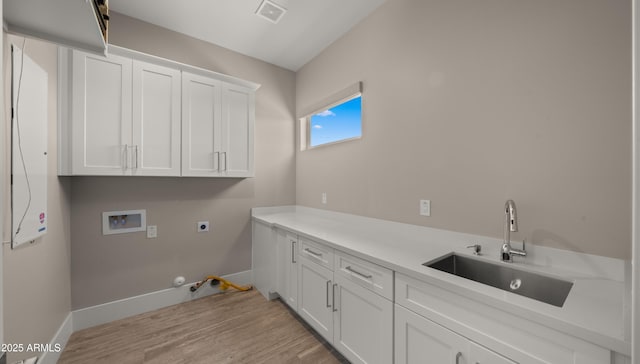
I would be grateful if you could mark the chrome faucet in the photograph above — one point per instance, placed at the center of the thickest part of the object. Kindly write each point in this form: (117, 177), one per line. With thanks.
(511, 224)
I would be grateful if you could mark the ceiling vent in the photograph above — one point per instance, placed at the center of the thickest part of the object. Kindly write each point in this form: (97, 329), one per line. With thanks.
(271, 11)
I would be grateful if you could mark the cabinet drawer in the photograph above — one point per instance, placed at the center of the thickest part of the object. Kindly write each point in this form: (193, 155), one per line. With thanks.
(517, 338)
(316, 252)
(366, 274)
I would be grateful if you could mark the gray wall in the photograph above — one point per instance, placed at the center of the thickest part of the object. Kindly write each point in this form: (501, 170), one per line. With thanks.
(470, 103)
(37, 278)
(107, 268)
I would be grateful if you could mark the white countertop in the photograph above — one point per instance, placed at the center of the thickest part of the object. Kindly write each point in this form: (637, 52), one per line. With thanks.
(597, 308)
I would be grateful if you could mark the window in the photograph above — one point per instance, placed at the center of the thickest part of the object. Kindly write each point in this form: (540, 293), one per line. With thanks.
(336, 119)
(341, 122)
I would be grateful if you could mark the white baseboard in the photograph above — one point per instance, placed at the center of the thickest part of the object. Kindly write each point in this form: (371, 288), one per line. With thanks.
(111, 311)
(59, 340)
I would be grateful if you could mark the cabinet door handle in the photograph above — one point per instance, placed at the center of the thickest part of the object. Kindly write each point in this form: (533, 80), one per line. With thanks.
(366, 276)
(225, 161)
(458, 356)
(136, 164)
(328, 285)
(333, 298)
(126, 156)
(314, 254)
(214, 161)
(293, 252)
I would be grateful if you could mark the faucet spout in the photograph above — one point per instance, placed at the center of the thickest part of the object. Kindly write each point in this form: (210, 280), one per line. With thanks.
(511, 224)
(512, 216)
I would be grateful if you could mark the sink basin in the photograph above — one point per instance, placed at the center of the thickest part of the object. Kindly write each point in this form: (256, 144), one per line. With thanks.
(536, 286)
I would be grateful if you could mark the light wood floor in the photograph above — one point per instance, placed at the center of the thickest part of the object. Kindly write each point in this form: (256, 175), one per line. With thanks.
(231, 327)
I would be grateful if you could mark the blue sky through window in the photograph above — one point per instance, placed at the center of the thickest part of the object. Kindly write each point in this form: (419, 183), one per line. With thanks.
(341, 122)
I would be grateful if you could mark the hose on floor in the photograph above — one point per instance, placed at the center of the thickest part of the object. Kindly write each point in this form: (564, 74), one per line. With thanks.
(224, 284)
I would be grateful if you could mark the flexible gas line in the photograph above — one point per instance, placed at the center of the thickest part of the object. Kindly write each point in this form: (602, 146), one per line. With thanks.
(224, 284)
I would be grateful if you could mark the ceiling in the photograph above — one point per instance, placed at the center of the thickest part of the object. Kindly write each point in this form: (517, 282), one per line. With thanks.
(307, 27)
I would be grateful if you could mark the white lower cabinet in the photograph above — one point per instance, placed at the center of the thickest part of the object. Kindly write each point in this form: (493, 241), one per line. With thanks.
(521, 340)
(357, 321)
(371, 314)
(264, 259)
(419, 340)
(315, 292)
(287, 269)
(362, 322)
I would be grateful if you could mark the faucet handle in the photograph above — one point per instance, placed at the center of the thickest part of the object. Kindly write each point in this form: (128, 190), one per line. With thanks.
(522, 253)
(477, 248)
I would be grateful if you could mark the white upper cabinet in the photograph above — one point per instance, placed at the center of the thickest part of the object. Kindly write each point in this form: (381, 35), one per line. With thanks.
(125, 117)
(217, 128)
(201, 115)
(101, 114)
(156, 120)
(238, 116)
(132, 114)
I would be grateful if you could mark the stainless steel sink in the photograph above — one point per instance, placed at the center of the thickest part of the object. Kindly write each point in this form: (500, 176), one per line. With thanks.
(539, 287)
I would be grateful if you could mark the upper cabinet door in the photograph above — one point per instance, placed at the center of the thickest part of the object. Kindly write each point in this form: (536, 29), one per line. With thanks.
(156, 120)
(238, 116)
(201, 113)
(101, 114)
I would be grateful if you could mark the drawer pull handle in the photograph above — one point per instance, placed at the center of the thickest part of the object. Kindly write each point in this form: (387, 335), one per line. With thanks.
(366, 276)
(328, 285)
(317, 255)
(293, 251)
(458, 356)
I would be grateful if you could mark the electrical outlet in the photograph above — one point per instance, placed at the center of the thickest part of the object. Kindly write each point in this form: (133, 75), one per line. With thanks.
(324, 198)
(425, 207)
(203, 226)
(152, 231)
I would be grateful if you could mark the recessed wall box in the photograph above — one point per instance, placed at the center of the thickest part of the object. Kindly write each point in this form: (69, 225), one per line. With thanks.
(120, 222)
